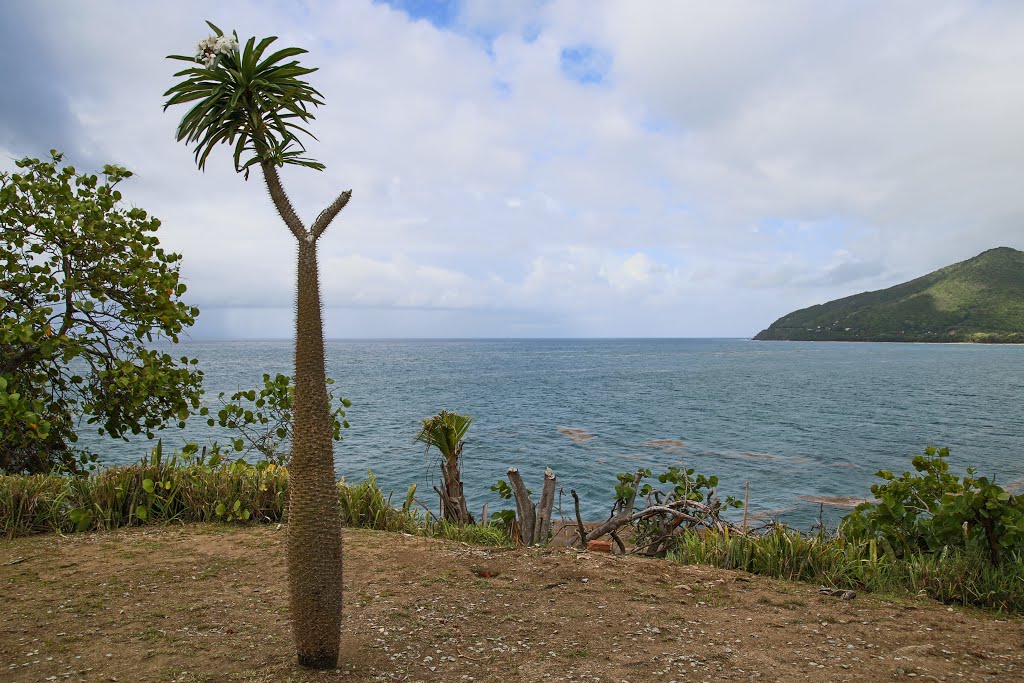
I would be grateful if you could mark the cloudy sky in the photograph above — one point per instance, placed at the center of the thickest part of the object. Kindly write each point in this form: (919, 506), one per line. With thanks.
(562, 168)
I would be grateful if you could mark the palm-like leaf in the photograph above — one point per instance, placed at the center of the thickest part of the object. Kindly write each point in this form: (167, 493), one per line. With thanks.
(256, 104)
(445, 431)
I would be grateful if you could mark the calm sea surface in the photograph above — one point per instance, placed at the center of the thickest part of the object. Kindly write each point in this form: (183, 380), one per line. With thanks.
(792, 418)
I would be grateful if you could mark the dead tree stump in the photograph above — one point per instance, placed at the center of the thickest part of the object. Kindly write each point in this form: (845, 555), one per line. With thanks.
(533, 520)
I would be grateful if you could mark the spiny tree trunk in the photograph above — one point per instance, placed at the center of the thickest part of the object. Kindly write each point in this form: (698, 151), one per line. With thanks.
(314, 515)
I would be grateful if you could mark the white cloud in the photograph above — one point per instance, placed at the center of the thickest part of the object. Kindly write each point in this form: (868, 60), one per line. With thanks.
(736, 161)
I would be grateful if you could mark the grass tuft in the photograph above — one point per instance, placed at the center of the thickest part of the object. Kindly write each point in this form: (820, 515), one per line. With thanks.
(953, 576)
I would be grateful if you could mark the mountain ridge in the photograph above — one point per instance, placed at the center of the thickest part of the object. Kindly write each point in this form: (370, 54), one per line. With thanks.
(979, 300)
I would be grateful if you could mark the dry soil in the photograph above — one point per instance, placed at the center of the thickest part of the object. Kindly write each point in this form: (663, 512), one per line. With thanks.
(209, 603)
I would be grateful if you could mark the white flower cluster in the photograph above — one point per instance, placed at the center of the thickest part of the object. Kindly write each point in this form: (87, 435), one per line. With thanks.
(208, 48)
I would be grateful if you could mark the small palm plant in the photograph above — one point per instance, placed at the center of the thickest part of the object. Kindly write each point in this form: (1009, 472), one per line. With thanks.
(258, 104)
(446, 432)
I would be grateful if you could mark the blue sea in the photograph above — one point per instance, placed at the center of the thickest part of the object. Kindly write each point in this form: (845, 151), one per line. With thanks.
(791, 418)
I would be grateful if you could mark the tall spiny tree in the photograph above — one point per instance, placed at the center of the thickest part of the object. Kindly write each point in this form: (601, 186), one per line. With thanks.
(259, 104)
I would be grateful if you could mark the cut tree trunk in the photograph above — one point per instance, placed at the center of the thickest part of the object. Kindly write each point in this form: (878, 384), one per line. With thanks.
(533, 521)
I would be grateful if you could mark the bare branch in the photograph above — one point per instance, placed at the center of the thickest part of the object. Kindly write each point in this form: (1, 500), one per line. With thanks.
(328, 214)
(618, 542)
(582, 530)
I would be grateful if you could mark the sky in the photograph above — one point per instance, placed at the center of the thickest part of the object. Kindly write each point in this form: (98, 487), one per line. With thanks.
(562, 168)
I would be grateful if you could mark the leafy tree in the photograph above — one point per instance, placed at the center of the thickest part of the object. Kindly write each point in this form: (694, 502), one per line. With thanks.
(932, 509)
(263, 418)
(84, 286)
(258, 103)
(446, 432)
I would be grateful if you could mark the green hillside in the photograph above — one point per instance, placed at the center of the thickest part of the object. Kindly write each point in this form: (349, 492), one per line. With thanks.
(977, 300)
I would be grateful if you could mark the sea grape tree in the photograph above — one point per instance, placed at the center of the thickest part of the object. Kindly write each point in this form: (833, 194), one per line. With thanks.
(931, 509)
(262, 419)
(84, 288)
(258, 103)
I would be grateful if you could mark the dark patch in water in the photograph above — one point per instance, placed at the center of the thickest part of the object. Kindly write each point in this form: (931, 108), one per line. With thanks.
(666, 444)
(759, 456)
(576, 434)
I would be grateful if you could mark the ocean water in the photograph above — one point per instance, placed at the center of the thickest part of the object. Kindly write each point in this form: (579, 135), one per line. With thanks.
(791, 418)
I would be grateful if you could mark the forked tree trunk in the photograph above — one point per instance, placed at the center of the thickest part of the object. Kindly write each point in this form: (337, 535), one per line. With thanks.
(314, 514)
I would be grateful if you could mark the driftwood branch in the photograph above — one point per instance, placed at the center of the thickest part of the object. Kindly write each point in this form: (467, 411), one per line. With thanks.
(657, 525)
(618, 542)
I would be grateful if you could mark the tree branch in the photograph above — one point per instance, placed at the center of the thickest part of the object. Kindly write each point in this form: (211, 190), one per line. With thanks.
(281, 201)
(623, 515)
(69, 304)
(328, 214)
(582, 530)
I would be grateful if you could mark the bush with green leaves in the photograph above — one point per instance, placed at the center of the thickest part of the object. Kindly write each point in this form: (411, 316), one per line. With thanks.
(84, 289)
(932, 509)
(263, 419)
(504, 518)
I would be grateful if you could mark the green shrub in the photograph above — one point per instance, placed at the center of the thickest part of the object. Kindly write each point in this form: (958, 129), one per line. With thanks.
(262, 419)
(933, 510)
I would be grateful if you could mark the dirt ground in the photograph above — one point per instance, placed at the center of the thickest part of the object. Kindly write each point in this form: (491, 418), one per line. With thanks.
(209, 603)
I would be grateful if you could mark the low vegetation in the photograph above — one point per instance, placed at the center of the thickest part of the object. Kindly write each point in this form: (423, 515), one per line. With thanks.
(959, 540)
(928, 532)
(953, 575)
(187, 487)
